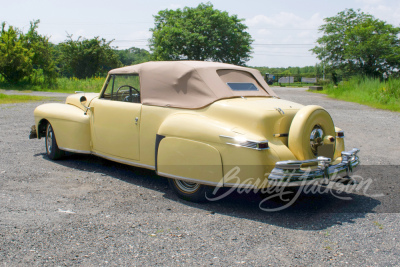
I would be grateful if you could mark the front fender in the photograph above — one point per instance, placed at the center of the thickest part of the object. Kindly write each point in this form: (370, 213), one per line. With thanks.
(70, 125)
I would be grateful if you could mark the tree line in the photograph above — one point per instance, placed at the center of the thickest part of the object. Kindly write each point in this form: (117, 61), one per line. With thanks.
(352, 43)
(32, 58)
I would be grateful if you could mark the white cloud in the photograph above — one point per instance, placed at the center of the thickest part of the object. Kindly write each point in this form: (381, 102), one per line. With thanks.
(264, 32)
(386, 10)
(175, 6)
(283, 37)
(284, 19)
(370, 2)
(57, 38)
(259, 20)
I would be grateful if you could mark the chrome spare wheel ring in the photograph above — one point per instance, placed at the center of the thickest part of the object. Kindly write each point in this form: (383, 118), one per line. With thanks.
(49, 139)
(316, 139)
(187, 187)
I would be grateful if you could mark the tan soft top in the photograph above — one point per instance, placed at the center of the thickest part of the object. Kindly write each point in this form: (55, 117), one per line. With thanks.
(192, 84)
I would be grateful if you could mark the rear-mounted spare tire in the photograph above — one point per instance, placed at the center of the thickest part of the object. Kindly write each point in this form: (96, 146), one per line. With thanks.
(308, 133)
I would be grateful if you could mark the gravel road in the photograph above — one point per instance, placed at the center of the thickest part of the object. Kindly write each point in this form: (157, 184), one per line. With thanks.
(88, 211)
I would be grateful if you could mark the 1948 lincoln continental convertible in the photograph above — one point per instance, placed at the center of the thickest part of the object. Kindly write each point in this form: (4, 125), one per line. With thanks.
(194, 123)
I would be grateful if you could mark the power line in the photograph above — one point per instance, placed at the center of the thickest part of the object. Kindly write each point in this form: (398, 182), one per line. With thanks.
(273, 55)
(283, 44)
(283, 29)
(276, 44)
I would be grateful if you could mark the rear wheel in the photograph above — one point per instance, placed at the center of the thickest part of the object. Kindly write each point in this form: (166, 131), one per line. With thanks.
(52, 150)
(189, 191)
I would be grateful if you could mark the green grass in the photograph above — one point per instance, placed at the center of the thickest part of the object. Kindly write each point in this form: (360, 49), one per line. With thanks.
(367, 91)
(11, 99)
(62, 85)
(70, 85)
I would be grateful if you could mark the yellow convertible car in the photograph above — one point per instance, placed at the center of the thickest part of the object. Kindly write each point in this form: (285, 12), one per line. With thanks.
(202, 125)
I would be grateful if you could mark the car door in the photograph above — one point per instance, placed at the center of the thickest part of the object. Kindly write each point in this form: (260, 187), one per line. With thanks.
(115, 118)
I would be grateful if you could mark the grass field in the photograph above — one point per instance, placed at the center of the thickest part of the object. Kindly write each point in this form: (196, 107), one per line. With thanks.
(367, 91)
(11, 99)
(63, 85)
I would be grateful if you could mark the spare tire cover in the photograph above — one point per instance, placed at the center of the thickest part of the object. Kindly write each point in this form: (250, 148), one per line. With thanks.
(304, 123)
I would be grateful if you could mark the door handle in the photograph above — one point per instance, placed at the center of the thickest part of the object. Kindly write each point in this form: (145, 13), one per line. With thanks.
(136, 120)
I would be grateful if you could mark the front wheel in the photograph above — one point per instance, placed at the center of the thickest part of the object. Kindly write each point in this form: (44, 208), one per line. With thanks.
(189, 191)
(52, 150)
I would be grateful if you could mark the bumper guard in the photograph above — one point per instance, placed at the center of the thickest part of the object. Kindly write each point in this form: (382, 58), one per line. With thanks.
(297, 171)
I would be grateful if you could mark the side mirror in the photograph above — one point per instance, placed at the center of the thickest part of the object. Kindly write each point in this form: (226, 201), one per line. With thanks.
(83, 103)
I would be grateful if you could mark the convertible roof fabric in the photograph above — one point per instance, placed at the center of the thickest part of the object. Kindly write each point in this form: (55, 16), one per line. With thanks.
(192, 84)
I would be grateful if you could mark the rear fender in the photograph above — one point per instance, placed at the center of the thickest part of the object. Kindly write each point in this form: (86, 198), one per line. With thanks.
(189, 160)
(188, 149)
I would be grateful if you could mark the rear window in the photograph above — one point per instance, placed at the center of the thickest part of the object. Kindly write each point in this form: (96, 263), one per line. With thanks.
(239, 81)
(243, 86)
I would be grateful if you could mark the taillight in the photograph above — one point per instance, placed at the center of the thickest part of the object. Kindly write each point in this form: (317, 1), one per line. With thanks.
(340, 134)
(263, 145)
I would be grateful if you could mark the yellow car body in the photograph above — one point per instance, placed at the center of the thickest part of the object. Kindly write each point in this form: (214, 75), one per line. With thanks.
(196, 136)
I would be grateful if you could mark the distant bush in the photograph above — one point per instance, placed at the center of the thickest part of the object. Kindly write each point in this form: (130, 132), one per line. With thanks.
(368, 91)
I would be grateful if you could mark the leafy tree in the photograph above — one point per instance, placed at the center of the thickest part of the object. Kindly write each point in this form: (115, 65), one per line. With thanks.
(15, 58)
(83, 58)
(200, 33)
(133, 56)
(26, 56)
(357, 43)
(41, 51)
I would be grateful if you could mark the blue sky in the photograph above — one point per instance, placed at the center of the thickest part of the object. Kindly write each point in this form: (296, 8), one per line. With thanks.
(283, 31)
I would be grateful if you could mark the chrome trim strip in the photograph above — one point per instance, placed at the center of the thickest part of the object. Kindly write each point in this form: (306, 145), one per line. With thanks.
(280, 110)
(252, 144)
(186, 179)
(263, 141)
(75, 150)
(127, 162)
(244, 145)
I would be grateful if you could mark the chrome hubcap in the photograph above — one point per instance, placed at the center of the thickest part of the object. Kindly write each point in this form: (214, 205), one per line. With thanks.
(316, 139)
(49, 139)
(187, 187)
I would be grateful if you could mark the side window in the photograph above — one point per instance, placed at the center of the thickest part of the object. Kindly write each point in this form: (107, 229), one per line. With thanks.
(125, 88)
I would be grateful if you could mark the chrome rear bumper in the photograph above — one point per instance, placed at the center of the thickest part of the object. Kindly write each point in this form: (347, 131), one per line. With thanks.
(295, 171)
